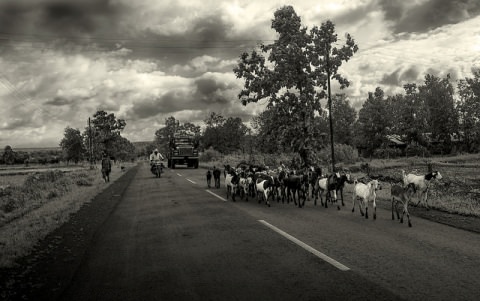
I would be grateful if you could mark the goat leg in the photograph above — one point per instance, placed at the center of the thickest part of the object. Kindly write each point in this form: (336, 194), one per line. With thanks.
(425, 199)
(393, 216)
(360, 207)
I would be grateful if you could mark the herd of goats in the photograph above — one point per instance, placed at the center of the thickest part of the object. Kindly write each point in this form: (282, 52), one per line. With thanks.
(282, 184)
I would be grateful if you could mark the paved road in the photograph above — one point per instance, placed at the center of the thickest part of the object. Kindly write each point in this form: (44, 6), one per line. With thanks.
(174, 239)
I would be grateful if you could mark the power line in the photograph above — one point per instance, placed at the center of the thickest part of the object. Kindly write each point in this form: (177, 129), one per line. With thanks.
(64, 37)
(21, 97)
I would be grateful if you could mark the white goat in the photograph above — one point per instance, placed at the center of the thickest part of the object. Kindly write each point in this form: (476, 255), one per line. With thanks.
(243, 185)
(402, 195)
(367, 193)
(422, 183)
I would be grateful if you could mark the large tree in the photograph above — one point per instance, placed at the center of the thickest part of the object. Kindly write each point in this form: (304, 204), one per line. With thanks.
(122, 149)
(295, 78)
(373, 123)
(172, 126)
(72, 145)
(224, 134)
(103, 132)
(344, 116)
(469, 110)
(212, 135)
(442, 116)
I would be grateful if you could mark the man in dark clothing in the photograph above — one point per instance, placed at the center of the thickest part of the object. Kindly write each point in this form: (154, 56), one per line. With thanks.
(209, 178)
(106, 167)
(216, 176)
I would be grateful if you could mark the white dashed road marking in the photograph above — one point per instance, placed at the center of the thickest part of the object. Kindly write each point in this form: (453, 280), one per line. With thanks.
(319, 254)
(216, 195)
(190, 181)
(179, 175)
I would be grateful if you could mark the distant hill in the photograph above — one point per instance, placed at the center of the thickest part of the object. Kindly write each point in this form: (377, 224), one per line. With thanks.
(36, 149)
(137, 144)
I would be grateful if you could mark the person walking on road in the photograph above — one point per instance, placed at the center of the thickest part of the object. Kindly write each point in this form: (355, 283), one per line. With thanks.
(216, 176)
(106, 167)
(209, 177)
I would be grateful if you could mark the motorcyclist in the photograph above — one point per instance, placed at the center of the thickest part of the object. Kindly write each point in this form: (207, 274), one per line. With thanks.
(155, 158)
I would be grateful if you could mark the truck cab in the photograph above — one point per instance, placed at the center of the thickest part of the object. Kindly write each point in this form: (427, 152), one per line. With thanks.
(183, 150)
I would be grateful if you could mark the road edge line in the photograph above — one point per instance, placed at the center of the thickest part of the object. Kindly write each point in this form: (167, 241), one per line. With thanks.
(308, 248)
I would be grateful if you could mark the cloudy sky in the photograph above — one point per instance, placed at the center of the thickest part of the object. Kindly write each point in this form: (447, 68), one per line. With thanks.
(146, 60)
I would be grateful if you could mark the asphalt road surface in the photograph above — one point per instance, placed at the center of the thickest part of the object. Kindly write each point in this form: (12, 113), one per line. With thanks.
(173, 238)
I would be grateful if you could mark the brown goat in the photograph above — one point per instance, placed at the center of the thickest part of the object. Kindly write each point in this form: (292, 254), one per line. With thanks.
(402, 195)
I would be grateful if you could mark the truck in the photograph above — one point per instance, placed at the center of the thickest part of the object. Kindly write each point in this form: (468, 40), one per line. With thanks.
(182, 150)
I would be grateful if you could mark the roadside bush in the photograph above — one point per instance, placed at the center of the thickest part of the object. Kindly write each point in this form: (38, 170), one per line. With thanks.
(343, 153)
(210, 155)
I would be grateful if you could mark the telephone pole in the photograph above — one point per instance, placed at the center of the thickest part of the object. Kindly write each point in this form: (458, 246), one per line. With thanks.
(90, 144)
(330, 109)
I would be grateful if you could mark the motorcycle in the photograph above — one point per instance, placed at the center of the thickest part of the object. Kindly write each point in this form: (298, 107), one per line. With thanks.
(157, 169)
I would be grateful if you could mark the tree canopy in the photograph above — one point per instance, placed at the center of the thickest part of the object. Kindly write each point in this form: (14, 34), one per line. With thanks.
(172, 125)
(105, 133)
(291, 75)
(224, 134)
(72, 145)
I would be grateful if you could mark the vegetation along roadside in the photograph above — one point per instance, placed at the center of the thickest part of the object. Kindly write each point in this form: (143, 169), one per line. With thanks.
(32, 208)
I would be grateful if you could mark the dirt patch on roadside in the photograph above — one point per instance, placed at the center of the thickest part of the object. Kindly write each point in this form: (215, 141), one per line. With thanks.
(469, 223)
(49, 268)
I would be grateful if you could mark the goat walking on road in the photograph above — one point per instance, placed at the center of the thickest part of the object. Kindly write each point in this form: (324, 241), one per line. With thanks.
(367, 192)
(231, 182)
(402, 195)
(422, 184)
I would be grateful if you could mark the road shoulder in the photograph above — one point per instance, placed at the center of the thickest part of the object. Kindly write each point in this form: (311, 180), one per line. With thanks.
(48, 269)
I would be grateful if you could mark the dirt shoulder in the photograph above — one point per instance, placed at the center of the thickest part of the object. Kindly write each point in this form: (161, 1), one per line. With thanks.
(469, 223)
(49, 268)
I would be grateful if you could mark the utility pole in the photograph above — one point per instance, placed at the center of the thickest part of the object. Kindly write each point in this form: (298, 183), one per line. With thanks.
(330, 109)
(90, 144)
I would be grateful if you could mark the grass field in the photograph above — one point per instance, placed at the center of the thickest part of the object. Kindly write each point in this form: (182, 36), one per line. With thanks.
(38, 202)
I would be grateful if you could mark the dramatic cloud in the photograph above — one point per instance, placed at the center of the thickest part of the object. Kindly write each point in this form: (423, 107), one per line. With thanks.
(400, 77)
(427, 15)
(144, 61)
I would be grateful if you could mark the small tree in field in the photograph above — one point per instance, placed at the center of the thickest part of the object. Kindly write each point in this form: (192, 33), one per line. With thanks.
(294, 79)
(8, 155)
(72, 145)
